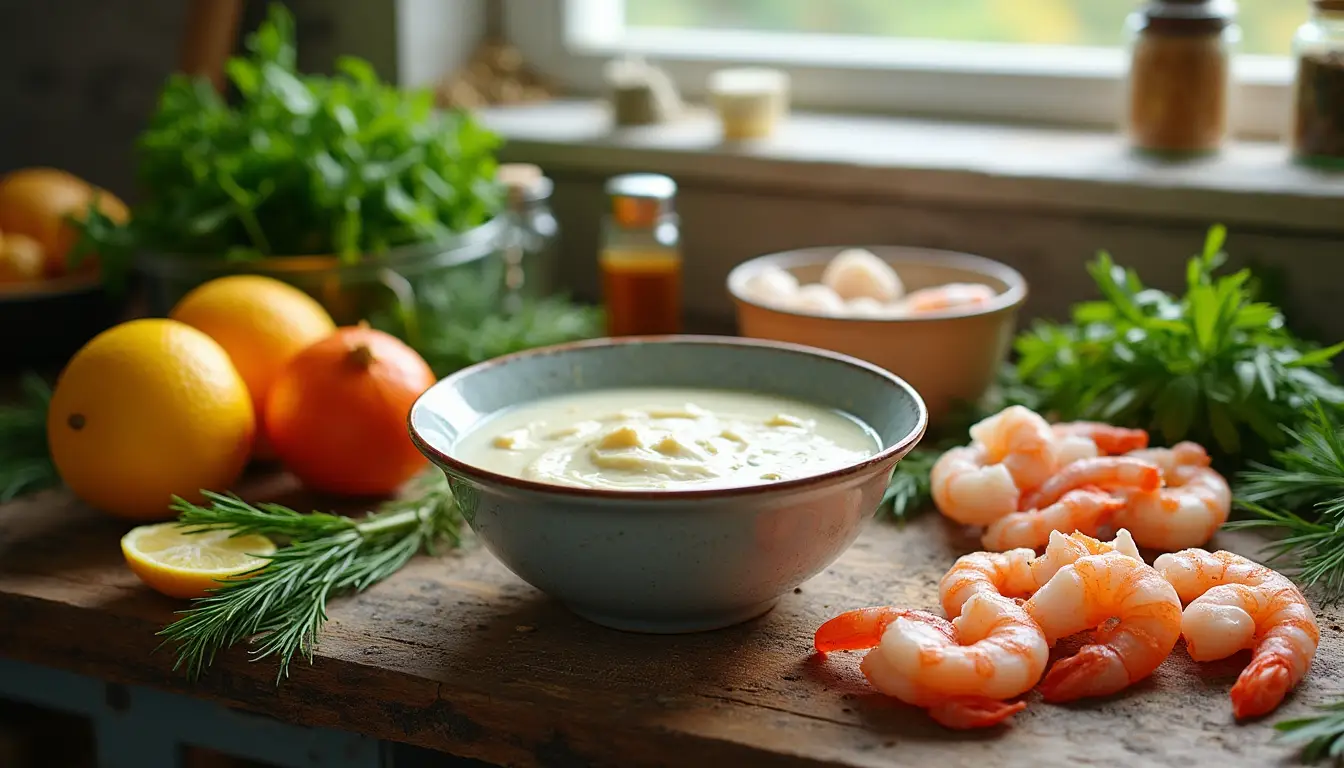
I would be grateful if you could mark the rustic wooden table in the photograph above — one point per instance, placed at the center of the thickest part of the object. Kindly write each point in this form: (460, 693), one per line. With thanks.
(458, 655)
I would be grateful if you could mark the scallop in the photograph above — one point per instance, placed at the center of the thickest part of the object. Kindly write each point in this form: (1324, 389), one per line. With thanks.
(856, 273)
(817, 299)
(772, 286)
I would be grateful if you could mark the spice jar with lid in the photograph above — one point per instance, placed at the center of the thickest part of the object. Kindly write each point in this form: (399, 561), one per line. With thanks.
(532, 250)
(641, 256)
(1318, 109)
(1180, 75)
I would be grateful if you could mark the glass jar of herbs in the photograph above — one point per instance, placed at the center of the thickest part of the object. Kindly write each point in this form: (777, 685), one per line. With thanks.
(1180, 76)
(1318, 109)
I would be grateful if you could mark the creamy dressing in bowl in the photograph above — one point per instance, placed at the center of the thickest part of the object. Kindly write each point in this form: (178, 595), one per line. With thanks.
(665, 439)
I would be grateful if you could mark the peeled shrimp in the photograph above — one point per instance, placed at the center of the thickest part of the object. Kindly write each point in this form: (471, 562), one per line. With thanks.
(1108, 472)
(1192, 506)
(961, 671)
(1022, 441)
(1090, 593)
(1012, 451)
(1234, 604)
(1108, 440)
(949, 296)
(1019, 572)
(1086, 511)
(1182, 454)
(967, 488)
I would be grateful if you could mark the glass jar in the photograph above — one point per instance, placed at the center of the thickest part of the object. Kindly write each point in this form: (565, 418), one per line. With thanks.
(1318, 93)
(1180, 75)
(641, 256)
(533, 248)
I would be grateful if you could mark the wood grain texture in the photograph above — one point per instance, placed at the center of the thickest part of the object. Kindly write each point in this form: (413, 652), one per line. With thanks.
(457, 654)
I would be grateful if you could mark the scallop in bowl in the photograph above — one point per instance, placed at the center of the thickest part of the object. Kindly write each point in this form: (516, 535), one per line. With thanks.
(942, 321)
(668, 484)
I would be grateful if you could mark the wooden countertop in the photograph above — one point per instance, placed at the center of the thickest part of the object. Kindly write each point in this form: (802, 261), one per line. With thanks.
(457, 654)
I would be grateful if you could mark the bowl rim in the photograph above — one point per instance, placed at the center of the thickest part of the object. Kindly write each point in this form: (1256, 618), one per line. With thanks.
(819, 254)
(893, 453)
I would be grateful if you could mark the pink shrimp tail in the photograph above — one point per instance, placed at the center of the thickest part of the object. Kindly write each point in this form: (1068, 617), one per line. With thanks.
(856, 630)
(1261, 687)
(974, 712)
(1096, 670)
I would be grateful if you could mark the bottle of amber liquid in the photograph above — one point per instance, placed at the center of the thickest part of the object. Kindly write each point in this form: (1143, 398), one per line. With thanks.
(641, 256)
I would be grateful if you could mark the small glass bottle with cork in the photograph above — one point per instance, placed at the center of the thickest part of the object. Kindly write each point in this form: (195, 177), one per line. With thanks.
(532, 251)
(1180, 76)
(640, 260)
(1318, 94)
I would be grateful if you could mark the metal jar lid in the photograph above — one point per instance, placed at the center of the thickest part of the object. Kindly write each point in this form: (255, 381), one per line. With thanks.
(1189, 16)
(640, 199)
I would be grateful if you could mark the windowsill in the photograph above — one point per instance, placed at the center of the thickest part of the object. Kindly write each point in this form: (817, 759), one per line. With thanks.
(1249, 185)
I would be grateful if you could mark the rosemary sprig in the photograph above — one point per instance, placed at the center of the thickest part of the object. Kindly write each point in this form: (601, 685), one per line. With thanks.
(1320, 736)
(281, 608)
(1300, 495)
(25, 458)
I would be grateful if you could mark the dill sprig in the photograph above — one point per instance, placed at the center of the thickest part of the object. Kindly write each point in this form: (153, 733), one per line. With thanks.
(908, 493)
(281, 608)
(1320, 736)
(1299, 494)
(25, 458)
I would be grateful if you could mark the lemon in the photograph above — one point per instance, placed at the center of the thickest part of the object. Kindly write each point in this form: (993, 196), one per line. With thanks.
(183, 561)
(147, 410)
(261, 322)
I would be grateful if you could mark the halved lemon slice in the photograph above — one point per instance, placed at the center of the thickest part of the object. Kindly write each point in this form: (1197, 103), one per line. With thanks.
(171, 559)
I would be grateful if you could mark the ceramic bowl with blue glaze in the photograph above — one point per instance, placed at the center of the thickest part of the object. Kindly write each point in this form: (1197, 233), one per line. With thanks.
(669, 561)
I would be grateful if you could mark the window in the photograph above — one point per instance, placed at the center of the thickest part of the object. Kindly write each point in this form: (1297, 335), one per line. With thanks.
(1039, 61)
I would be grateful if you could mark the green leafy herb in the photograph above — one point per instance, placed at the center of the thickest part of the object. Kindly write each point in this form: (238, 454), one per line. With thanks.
(908, 493)
(25, 458)
(281, 608)
(1213, 365)
(1308, 478)
(301, 164)
(1321, 737)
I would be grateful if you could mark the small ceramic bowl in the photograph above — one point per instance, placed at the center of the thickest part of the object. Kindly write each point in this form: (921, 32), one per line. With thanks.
(948, 357)
(669, 561)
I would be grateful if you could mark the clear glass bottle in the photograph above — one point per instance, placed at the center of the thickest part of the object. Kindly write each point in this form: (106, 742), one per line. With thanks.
(641, 256)
(533, 248)
(1179, 87)
(1318, 93)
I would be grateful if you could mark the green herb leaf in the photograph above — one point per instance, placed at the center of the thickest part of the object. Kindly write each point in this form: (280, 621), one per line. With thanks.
(25, 458)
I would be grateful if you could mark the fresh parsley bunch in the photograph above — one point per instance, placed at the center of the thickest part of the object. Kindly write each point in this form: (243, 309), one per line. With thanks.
(300, 164)
(1213, 365)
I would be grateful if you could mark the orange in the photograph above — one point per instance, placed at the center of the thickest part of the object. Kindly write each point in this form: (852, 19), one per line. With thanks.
(337, 415)
(147, 410)
(36, 201)
(20, 259)
(187, 562)
(261, 322)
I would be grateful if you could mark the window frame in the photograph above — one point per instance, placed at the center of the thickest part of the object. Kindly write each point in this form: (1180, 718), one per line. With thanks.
(998, 83)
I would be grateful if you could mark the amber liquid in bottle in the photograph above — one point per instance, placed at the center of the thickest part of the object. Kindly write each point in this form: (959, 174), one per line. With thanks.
(642, 291)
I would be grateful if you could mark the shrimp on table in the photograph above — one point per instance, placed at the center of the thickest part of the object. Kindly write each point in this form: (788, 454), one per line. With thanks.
(1013, 451)
(961, 671)
(945, 297)
(1107, 440)
(1136, 614)
(1020, 572)
(1235, 603)
(1105, 472)
(1182, 454)
(1186, 512)
(1085, 511)
(1066, 549)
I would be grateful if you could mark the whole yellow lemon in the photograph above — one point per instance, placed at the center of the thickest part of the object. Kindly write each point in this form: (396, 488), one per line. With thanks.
(261, 322)
(147, 410)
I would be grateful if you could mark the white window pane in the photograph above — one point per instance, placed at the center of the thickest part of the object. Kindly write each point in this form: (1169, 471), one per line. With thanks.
(1267, 25)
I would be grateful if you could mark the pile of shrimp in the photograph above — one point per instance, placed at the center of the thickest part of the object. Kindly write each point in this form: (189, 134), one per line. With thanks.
(1006, 610)
(1021, 478)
